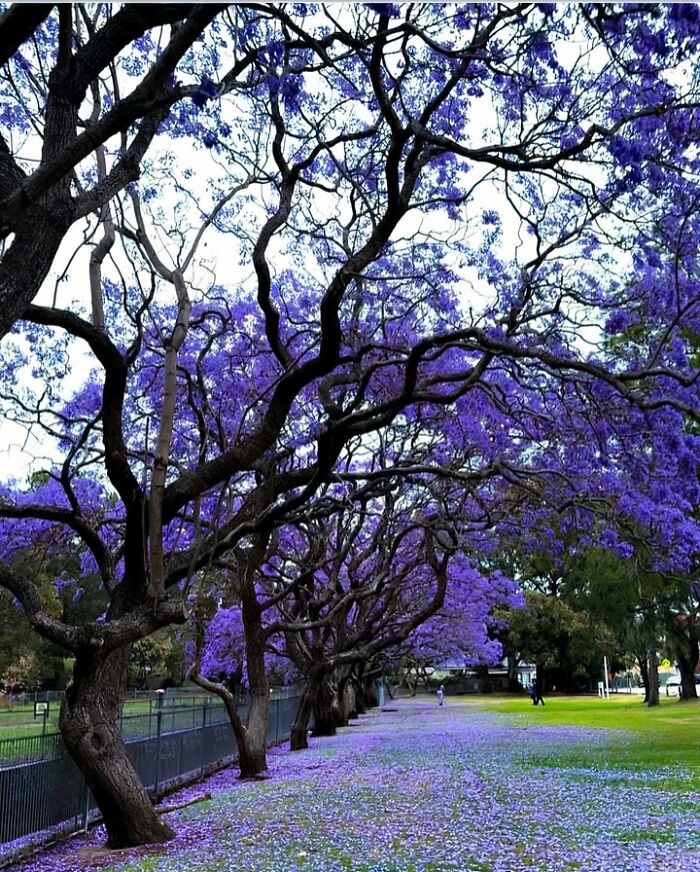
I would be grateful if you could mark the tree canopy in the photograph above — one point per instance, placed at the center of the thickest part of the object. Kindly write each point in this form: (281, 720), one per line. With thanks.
(264, 264)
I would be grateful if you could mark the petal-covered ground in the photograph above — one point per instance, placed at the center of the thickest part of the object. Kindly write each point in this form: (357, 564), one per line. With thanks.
(421, 789)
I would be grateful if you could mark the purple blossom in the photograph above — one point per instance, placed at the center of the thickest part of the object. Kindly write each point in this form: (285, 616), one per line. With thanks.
(393, 10)
(206, 90)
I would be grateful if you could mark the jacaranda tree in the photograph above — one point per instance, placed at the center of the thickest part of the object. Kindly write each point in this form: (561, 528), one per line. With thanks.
(264, 238)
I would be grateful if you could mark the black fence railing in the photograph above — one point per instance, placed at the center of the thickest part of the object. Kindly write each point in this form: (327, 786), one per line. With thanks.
(43, 793)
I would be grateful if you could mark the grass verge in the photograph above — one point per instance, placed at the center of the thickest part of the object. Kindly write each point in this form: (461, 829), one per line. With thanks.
(662, 741)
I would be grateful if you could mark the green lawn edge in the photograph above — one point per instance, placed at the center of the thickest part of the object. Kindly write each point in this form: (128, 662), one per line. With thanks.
(662, 742)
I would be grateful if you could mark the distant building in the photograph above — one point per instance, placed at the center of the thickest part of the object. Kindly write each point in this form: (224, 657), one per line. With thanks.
(459, 678)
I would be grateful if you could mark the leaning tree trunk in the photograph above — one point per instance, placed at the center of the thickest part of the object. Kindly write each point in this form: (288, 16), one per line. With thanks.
(88, 724)
(653, 668)
(299, 738)
(246, 764)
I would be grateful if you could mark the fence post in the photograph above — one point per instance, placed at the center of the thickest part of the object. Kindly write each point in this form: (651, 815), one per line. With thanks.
(86, 809)
(159, 724)
(204, 736)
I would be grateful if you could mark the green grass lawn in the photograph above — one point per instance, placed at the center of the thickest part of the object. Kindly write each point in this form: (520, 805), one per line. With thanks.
(19, 721)
(664, 739)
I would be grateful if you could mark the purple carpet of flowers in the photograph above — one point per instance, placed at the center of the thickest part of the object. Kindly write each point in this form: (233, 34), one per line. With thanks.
(421, 789)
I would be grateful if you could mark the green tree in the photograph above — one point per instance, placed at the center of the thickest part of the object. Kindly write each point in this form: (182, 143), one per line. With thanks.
(564, 643)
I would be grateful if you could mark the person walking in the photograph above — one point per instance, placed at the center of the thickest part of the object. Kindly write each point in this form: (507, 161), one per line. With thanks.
(535, 693)
(441, 694)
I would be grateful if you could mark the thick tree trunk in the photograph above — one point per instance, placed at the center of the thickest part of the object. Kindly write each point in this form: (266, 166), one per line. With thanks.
(339, 704)
(687, 655)
(644, 672)
(325, 718)
(360, 707)
(514, 686)
(258, 720)
(246, 761)
(28, 259)
(259, 714)
(299, 733)
(688, 691)
(369, 692)
(539, 676)
(88, 724)
(485, 679)
(653, 669)
(346, 701)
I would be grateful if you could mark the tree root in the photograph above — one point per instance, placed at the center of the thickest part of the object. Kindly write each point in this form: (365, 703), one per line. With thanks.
(166, 809)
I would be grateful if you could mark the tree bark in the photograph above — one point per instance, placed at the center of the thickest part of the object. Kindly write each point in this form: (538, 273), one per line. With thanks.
(653, 669)
(28, 260)
(88, 724)
(360, 707)
(18, 24)
(325, 719)
(161, 458)
(299, 733)
(369, 692)
(259, 713)
(644, 672)
(485, 679)
(514, 686)
(258, 719)
(539, 677)
(687, 656)
(345, 701)
(246, 763)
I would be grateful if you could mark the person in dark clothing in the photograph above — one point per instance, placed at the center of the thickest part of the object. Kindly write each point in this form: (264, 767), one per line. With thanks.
(535, 693)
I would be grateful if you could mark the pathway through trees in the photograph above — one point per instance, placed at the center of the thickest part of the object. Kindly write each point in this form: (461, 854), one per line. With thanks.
(424, 788)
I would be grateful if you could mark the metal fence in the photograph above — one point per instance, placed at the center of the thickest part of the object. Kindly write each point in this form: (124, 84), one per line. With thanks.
(43, 794)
